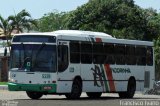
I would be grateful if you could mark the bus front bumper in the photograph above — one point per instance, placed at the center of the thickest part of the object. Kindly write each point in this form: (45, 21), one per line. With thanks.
(49, 88)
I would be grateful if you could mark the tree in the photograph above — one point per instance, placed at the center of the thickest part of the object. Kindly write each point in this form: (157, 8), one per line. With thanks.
(51, 21)
(120, 18)
(153, 26)
(18, 22)
(157, 57)
(5, 26)
(21, 21)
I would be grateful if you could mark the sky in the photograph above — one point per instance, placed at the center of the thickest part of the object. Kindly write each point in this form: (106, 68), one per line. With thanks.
(155, 4)
(37, 8)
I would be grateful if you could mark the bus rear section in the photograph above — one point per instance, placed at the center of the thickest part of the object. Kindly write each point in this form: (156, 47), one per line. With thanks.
(113, 66)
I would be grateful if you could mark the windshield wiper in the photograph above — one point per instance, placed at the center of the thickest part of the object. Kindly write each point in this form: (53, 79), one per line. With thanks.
(40, 49)
(38, 52)
(27, 62)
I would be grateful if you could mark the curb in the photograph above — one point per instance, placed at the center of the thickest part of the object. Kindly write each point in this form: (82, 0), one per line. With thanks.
(3, 87)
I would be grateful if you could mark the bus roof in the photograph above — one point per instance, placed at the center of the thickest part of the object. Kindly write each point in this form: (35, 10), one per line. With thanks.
(71, 33)
(82, 33)
(86, 35)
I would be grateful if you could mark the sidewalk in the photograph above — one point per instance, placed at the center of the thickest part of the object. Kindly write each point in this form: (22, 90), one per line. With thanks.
(3, 87)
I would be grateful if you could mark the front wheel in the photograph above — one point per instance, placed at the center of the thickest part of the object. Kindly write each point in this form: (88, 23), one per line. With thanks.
(34, 95)
(76, 90)
(94, 94)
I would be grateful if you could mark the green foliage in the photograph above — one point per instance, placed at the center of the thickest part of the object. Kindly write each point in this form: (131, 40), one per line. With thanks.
(157, 57)
(3, 83)
(153, 26)
(5, 25)
(51, 21)
(17, 22)
(120, 18)
(21, 21)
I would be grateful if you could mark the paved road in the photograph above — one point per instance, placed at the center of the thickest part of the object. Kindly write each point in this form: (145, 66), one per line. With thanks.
(20, 99)
(3, 87)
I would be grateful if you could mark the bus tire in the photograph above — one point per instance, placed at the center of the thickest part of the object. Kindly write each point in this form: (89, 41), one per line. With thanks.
(76, 90)
(94, 94)
(34, 95)
(130, 89)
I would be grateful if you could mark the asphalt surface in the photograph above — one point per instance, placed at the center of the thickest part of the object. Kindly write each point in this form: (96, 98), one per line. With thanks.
(3, 87)
(8, 98)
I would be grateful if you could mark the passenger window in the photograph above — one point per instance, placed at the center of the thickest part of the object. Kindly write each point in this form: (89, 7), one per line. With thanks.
(74, 52)
(86, 53)
(149, 56)
(120, 54)
(109, 51)
(141, 55)
(98, 53)
(130, 55)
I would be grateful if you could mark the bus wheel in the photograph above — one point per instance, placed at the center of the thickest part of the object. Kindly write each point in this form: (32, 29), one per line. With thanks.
(34, 95)
(94, 94)
(130, 89)
(76, 90)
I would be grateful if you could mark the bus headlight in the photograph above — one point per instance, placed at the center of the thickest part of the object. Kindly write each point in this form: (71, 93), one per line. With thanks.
(11, 77)
(11, 80)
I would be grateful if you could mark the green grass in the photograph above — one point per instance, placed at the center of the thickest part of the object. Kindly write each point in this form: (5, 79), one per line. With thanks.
(3, 83)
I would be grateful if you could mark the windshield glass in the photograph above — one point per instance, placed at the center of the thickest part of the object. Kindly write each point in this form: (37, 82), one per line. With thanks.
(33, 57)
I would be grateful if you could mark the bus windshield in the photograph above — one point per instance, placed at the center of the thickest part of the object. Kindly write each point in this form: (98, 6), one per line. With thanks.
(33, 57)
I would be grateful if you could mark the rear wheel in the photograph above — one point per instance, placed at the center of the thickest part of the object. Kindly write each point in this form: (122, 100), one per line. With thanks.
(130, 89)
(94, 94)
(34, 95)
(76, 90)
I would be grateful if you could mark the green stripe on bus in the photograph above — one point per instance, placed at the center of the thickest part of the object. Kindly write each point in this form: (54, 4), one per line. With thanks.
(105, 82)
(32, 87)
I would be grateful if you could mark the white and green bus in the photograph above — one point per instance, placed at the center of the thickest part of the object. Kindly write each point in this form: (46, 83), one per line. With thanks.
(69, 62)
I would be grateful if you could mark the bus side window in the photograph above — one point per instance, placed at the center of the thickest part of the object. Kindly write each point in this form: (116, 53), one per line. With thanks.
(141, 55)
(120, 54)
(98, 53)
(130, 55)
(86, 53)
(149, 56)
(62, 58)
(74, 52)
(109, 51)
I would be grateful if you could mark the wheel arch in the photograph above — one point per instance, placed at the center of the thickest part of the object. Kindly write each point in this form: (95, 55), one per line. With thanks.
(132, 78)
(78, 78)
